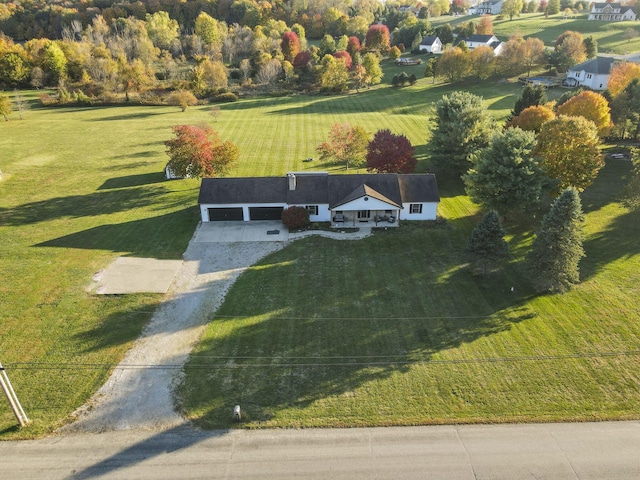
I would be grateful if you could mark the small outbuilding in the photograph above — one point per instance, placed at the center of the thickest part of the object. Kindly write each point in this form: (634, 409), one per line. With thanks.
(431, 44)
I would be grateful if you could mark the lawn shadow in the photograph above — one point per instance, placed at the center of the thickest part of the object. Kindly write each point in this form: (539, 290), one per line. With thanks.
(608, 185)
(619, 240)
(273, 358)
(75, 206)
(127, 116)
(145, 154)
(139, 238)
(132, 181)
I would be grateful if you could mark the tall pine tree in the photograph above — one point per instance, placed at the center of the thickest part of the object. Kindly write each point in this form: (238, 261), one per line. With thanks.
(532, 95)
(557, 249)
(462, 127)
(487, 247)
(506, 176)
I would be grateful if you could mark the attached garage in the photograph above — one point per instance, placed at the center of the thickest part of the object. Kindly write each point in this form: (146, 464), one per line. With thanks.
(225, 214)
(265, 213)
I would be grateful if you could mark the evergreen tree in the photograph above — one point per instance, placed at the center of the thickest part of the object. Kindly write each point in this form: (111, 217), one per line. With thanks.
(532, 95)
(557, 249)
(445, 34)
(487, 246)
(506, 175)
(590, 46)
(553, 7)
(462, 127)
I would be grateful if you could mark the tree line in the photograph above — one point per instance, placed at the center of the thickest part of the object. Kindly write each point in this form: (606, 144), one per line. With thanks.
(134, 56)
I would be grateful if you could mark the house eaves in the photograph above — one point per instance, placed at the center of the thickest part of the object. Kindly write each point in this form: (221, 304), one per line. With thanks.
(365, 190)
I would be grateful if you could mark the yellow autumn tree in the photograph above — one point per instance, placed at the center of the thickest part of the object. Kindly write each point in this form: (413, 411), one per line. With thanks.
(621, 75)
(592, 106)
(570, 151)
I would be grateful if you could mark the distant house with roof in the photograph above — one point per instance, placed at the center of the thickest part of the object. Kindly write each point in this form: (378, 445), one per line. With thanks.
(344, 200)
(490, 7)
(593, 73)
(611, 12)
(491, 41)
(431, 44)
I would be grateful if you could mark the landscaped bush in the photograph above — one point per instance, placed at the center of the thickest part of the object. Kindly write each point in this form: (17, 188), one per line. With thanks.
(295, 218)
(224, 98)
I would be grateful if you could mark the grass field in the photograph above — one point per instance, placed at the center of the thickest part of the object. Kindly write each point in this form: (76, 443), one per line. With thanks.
(82, 186)
(393, 330)
(609, 35)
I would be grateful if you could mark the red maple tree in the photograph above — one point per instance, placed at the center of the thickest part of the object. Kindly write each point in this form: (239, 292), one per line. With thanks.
(199, 152)
(390, 153)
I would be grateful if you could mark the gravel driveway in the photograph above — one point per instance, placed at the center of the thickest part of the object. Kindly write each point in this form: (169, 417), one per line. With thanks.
(138, 395)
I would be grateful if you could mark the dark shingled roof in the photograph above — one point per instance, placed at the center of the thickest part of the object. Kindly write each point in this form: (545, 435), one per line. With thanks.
(428, 40)
(243, 190)
(320, 188)
(415, 187)
(598, 65)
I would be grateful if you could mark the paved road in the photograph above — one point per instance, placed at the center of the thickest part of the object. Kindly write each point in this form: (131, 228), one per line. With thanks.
(608, 450)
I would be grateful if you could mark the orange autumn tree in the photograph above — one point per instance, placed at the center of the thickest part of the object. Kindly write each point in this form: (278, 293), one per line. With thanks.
(485, 25)
(532, 118)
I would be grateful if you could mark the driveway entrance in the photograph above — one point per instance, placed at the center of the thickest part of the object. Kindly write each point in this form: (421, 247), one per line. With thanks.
(254, 231)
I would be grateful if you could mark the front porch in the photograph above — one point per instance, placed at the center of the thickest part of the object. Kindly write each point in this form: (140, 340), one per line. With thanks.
(364, 218)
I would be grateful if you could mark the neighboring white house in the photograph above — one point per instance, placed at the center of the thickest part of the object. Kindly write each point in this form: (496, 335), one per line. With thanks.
(593, 73)
(611, 12)
(344, 200)
(431, 44)
(491, 7)
(474, 41)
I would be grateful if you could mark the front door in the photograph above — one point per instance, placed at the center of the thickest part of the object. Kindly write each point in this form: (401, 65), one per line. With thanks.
(364, 215)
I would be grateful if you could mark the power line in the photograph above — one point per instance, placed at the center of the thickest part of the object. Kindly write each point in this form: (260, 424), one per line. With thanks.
(401, 360)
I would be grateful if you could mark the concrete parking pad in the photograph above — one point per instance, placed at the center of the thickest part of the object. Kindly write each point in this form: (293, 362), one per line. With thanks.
(256, 231)
(136, 275)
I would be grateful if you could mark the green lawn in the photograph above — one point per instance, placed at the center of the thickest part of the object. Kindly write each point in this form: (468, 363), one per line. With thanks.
(393, 330)
(609, 35)
(82, 186)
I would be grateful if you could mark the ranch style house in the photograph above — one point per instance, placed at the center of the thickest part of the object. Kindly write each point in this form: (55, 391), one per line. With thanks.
(371, 199)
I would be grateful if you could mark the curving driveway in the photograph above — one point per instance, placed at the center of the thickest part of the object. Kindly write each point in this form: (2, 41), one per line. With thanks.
(138, 395)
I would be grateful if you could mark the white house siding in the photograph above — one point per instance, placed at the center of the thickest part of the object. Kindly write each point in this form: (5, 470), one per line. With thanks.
(435, 47)
(429, 212)
(595, 81)
(591, 80)
(324, 214)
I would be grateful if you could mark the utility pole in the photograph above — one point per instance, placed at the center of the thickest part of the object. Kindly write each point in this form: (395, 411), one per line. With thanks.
(13, 399)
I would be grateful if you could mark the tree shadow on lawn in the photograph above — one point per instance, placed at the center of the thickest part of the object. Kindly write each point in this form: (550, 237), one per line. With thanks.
(75, 206)
(618, 241)
(127, 116)
(608, 185)
(119, 327)
(276, 360)
(145, 154)
(133, 181)
(161, 237)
